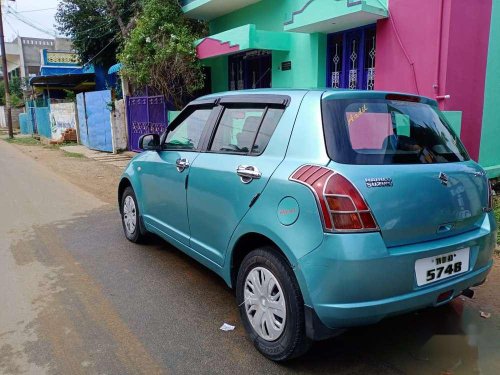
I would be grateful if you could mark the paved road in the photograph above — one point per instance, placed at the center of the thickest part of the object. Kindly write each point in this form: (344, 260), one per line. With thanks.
(76, 297)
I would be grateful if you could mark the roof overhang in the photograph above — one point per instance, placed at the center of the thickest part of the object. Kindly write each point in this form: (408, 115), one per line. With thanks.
(115, 68)
(209, 9)
(242, 38)
(327, 16)
(64, 81)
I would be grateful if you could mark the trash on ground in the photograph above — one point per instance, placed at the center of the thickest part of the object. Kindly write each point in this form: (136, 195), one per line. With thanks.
(485, 315)
(227, 327)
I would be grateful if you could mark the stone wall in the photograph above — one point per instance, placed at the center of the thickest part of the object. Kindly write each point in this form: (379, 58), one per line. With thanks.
(3, 120)
(62, 117)
(15, 112)
(119, 127)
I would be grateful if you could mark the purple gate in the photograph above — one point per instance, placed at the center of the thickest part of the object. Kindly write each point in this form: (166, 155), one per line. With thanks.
(146, 114)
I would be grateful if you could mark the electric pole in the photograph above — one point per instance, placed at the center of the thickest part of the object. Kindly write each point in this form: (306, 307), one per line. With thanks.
(8, 112)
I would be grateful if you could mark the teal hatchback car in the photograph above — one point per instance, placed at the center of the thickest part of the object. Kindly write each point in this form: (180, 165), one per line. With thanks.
(323, 209)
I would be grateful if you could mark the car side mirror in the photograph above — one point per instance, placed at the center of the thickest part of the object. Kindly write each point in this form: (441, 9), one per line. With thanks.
(149, 142)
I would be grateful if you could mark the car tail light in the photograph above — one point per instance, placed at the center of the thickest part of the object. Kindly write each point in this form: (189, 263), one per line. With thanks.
(341, 205)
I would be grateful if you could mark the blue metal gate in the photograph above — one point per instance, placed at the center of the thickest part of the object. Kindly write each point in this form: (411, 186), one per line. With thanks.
(94, 119)
(82, 119)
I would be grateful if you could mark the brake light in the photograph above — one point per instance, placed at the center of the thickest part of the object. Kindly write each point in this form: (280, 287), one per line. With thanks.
(341, 205)
(403, 98)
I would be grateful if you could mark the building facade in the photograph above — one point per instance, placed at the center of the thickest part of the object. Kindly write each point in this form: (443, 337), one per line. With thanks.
(443, 49)
(23, 54)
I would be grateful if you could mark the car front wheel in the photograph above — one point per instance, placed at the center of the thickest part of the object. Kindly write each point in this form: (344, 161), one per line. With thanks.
(271, 305)
(130, 216)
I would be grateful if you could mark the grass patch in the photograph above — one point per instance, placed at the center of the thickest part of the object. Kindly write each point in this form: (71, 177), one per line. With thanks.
(72, 154)
(52, 147)
(30, 141)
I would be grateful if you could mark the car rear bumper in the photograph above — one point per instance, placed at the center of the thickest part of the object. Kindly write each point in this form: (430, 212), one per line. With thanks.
(353, 279)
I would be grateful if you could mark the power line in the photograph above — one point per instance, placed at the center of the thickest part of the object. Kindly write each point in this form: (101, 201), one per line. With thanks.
(29, 22)
(34, 10)
(105, 23)
(97, 54)
(12, 27)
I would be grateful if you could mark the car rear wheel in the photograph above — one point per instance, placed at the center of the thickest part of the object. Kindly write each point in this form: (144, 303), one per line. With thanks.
(271, 305)
(130, 216)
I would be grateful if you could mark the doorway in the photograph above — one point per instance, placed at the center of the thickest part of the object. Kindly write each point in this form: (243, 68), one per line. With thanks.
(250, 70)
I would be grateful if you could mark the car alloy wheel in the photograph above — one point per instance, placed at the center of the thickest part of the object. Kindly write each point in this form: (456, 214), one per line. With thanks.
(265, 303)
(129, 215)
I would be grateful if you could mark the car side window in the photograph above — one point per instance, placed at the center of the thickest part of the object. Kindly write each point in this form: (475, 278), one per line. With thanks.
(187, 135)
(271, 119)
(245, 130)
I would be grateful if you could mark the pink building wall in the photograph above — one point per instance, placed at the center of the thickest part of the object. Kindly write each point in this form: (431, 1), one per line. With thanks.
(436, 48)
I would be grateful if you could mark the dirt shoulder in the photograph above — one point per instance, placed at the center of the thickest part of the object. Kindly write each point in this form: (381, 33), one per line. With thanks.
(97, 178)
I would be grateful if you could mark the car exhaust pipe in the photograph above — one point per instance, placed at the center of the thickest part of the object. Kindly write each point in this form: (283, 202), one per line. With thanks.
(469, 293)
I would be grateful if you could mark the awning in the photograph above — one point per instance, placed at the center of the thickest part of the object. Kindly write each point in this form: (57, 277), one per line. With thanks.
(209, 9)
(241, 39)
(57, 71)
(71, 81)
(327, 16)
(115, 68)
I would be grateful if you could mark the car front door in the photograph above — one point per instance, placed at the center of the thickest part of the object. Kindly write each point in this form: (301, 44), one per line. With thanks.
(164, 175)
(227, 179)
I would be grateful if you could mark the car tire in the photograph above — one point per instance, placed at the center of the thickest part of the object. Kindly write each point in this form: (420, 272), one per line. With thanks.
(280, 335)
(131, 221)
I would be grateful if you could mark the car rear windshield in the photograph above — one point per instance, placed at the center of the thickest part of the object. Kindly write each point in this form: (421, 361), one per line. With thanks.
(382, 131)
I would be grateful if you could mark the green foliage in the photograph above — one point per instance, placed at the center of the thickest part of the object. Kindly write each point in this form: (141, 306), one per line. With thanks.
(92, 27)
(16, 86)
(160, 51)
(16, 92)
(70, 95)
(70, 154)
(23, 140)
(16, 101)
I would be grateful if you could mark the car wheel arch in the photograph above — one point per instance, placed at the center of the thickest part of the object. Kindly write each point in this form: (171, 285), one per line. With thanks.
(245, 244)
(124, 183)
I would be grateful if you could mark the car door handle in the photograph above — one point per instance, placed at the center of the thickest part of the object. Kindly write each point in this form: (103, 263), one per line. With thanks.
(181, 165)
(248, 173)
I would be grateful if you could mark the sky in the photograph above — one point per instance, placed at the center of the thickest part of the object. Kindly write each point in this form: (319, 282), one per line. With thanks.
(39, 13)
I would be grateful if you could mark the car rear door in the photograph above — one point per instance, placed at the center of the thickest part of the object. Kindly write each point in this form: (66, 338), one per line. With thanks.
(227, 179)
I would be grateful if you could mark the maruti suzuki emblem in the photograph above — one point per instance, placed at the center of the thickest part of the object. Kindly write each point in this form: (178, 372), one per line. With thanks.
(444, 178)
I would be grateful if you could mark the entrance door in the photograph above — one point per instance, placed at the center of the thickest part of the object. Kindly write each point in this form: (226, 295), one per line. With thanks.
(250, 70)
(351, 59)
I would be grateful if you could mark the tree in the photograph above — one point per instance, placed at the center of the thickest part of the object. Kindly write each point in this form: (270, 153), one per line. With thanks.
(16, 92)
(160, 51)
(96, 27)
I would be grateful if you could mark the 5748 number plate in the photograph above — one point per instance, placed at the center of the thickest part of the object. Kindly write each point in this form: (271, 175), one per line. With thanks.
(440, 267)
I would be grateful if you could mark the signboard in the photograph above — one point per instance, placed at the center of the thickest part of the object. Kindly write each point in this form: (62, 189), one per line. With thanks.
(286, 65)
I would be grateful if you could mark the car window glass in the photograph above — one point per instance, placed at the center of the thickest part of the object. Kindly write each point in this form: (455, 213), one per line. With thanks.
(186, 136)
(237, 130)
(273, 116)
(385, 131)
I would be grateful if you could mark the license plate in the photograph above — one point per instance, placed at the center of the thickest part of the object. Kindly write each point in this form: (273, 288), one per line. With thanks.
(429, 270)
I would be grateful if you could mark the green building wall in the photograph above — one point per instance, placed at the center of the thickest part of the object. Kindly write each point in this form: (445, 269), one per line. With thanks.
(307, 51)
(489, 151)
(307, 54)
